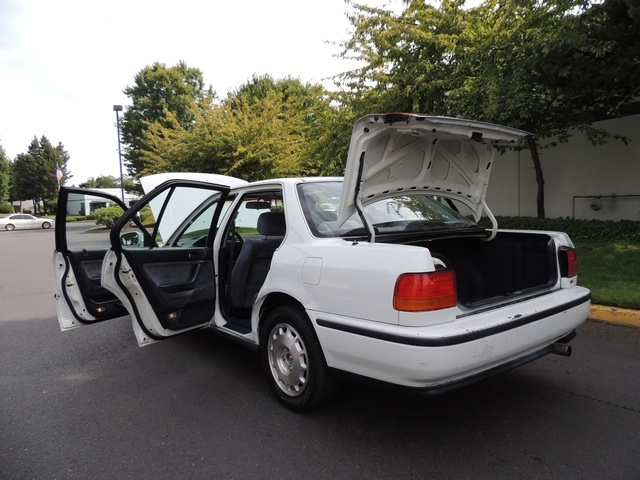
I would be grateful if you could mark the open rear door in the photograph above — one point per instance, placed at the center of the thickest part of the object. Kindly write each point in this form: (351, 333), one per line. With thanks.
(81, 246)
(161, 262)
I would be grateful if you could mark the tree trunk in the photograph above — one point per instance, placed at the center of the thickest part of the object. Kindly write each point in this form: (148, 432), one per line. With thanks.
(533, 148)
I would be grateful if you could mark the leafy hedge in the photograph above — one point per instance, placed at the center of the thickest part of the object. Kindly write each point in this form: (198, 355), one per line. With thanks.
(80, 218)
(146, 217)
(108, 216)
(603, 230)
(6, 208)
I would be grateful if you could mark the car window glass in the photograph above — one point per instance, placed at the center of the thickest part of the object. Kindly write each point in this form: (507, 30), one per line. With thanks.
(225, 208)
(402, 213)
(89, 220)
(251, 207)
(178, 217)
(320, 203)
(199, 227)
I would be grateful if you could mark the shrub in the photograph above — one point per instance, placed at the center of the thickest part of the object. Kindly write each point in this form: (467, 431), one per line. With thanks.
(602, 230)
(6, 208)
(108, 216)
(146, 217)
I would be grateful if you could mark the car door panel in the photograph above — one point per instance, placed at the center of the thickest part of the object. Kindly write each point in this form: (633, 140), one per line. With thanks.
(99, 302)
(167, 283)
(156, 264)
(80, 248)
(179, 284)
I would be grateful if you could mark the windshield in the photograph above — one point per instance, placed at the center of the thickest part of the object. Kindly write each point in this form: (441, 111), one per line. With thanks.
(404, 213)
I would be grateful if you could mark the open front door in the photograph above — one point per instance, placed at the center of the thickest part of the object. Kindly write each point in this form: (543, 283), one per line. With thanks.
(161, 262)
(81, 245)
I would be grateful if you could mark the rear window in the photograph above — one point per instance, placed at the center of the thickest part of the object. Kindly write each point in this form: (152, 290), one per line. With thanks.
(404, 213)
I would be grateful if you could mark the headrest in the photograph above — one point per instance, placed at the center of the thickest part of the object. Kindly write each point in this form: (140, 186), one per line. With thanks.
(271, 224)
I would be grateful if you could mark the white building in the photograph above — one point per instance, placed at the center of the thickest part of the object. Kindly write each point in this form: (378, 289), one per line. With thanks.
(90, 204)
(581, 180)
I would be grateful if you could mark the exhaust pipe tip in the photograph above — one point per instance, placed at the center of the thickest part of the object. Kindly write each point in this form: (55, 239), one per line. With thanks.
(563, 349)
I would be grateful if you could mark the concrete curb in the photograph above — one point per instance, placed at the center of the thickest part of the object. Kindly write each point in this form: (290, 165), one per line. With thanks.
(621, 316)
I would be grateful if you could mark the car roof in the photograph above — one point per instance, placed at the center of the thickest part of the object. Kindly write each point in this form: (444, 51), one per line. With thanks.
(290, 181)
(235, 184)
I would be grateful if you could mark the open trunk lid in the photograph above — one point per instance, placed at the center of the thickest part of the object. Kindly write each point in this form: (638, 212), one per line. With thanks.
(398, 152)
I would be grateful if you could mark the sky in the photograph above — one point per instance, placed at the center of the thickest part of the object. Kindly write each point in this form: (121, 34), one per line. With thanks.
(65, 63)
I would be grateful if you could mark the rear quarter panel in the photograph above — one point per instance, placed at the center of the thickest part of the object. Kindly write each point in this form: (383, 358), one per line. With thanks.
(343, 278)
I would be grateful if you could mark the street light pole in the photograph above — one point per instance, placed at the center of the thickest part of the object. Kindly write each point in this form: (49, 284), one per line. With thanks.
(117, 109)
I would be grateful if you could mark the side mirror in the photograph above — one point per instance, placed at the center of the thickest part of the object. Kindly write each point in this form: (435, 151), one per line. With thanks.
(131, 239)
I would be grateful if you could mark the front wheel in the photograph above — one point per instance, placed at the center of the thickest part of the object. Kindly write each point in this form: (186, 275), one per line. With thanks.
(46, 225)
(295, 366)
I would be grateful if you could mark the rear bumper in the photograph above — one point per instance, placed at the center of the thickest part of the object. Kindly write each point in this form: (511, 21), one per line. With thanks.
(468, 380)
(437, 356)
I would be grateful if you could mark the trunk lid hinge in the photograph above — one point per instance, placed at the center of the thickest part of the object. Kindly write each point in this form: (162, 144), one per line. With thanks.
(494, 222)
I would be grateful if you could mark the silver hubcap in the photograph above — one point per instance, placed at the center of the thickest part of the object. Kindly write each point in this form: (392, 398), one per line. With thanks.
(288, 359)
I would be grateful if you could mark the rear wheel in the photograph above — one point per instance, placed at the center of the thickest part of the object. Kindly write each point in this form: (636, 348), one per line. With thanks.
(295, 366)
(9, 226)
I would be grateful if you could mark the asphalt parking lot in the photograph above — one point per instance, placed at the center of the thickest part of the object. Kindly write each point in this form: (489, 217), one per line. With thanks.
(89, 403)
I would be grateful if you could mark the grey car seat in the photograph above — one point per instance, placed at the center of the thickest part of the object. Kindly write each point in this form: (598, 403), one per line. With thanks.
(253, 263)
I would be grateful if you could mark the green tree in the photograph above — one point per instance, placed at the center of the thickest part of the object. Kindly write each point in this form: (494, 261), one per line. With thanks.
(556, 68)
(5, 176)
(166, 96)
(109, 181)
(634, 9)
(101, 181)
(34, 173)
(329, 143)
(548, 67)
(265, 129)
(407, 59)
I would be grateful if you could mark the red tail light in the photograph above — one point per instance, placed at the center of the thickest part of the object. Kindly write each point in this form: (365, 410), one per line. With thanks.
(420, 292)
(568, 262)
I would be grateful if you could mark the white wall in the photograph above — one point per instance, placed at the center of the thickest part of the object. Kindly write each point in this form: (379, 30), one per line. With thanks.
(116, 192)
(570, 169)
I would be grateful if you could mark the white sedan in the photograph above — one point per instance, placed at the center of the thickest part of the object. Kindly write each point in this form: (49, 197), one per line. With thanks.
(17, 221)
(383, 276)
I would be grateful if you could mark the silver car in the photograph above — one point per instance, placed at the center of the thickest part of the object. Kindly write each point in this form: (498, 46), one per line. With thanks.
(23, 221)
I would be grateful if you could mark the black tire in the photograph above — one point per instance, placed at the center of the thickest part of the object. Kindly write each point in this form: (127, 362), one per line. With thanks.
(10, 227)
(46, 225)
(293, 360)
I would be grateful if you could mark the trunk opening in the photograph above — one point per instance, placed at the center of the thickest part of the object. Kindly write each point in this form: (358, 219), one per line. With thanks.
(512, 264)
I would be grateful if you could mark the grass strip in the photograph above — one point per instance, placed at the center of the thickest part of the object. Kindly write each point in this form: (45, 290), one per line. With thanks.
(611, 270)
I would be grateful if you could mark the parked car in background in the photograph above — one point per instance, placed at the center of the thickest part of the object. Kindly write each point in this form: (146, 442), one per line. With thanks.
(383, 276)
(17, 221)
